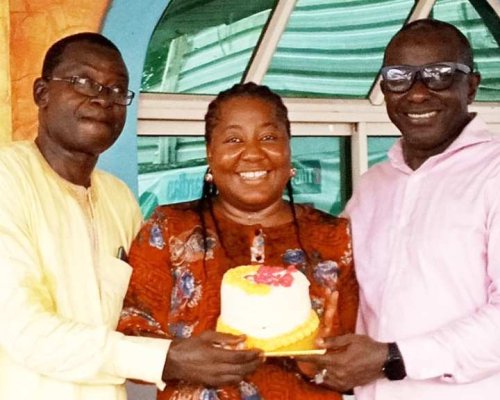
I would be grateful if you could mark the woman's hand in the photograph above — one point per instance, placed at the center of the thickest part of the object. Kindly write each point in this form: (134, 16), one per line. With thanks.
(331, 301)
(210, 359)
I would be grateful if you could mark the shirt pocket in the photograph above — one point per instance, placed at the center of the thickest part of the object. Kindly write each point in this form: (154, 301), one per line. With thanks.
(115, 277)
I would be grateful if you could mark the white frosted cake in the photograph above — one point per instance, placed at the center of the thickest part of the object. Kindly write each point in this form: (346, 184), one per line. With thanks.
(270, 305)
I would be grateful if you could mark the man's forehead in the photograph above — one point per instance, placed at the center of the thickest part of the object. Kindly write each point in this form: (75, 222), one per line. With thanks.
(428, 36)
(91, 55)
(83, 48)
(431, 44)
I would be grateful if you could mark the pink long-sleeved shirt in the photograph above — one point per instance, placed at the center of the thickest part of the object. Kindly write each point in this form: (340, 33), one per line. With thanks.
(427, 256)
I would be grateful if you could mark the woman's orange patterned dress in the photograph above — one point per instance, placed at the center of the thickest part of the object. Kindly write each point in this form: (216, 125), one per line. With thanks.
(175, 293)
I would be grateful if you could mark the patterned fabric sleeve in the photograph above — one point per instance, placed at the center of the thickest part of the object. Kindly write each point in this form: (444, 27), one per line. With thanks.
(347, 285)
(147, 303)
(333, 270)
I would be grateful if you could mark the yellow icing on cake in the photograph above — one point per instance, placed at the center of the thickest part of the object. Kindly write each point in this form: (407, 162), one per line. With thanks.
(300, 338)
(236, 277)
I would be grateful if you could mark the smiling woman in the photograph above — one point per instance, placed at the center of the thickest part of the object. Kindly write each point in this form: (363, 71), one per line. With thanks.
(183, 251)
(248, 152)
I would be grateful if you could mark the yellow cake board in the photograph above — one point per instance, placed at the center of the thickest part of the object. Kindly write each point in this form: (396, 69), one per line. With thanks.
(291, 353)
(305, 346)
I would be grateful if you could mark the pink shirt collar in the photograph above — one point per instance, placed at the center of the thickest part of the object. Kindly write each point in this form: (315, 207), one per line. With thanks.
(474, 132)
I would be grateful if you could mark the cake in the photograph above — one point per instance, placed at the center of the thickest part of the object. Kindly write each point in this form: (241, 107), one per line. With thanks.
(270, 305)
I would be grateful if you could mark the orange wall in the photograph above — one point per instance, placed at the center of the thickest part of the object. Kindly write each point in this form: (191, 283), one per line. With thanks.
(34, 26)
(5, 104)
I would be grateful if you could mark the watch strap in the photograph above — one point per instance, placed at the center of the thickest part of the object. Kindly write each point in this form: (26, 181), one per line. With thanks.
(394, 367)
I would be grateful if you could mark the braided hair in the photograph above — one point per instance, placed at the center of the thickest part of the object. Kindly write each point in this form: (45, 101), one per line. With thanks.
(209, 190)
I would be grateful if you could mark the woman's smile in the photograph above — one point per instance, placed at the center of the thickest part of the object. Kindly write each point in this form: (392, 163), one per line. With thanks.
(249, 154)
(253, 175)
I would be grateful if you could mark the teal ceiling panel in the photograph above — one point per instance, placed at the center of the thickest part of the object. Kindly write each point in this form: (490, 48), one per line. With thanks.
(342, 41)
(194, 35)
(464, 15)
(329, 49)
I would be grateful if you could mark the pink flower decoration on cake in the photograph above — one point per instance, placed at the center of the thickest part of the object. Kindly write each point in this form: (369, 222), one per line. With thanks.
(275, 276)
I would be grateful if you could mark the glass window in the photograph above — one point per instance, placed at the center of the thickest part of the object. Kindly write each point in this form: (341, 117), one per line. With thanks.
(323, 172)
(378, 146)
(171, 170)
(203, 47)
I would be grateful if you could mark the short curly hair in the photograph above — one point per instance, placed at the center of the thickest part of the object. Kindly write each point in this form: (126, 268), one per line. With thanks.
(54, 54)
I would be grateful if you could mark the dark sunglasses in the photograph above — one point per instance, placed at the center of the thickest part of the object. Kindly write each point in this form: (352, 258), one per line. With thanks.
(438, 76)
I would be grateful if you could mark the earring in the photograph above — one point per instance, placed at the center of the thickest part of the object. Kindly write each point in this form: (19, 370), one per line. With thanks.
(293, 172)
(209, 177)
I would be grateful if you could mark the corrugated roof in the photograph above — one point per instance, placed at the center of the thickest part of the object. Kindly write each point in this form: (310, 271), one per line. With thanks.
(329, 48)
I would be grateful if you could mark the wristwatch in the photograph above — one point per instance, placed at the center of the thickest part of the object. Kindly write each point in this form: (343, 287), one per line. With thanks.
(394, 366)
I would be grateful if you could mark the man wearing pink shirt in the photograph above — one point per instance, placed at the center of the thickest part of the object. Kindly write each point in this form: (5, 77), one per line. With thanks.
(426, 236)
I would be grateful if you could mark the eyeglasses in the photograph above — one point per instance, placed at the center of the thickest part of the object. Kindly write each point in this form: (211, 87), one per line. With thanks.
(439, 76)
(91, 88)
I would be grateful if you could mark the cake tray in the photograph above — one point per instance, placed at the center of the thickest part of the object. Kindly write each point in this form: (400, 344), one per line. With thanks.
(291, 353)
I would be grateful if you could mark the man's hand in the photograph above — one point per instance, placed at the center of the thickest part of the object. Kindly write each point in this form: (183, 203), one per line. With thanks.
(351, 360)
(208, 360)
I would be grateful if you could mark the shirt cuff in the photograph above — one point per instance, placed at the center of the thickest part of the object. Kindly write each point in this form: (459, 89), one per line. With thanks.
(426, 358)
(141, 358)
